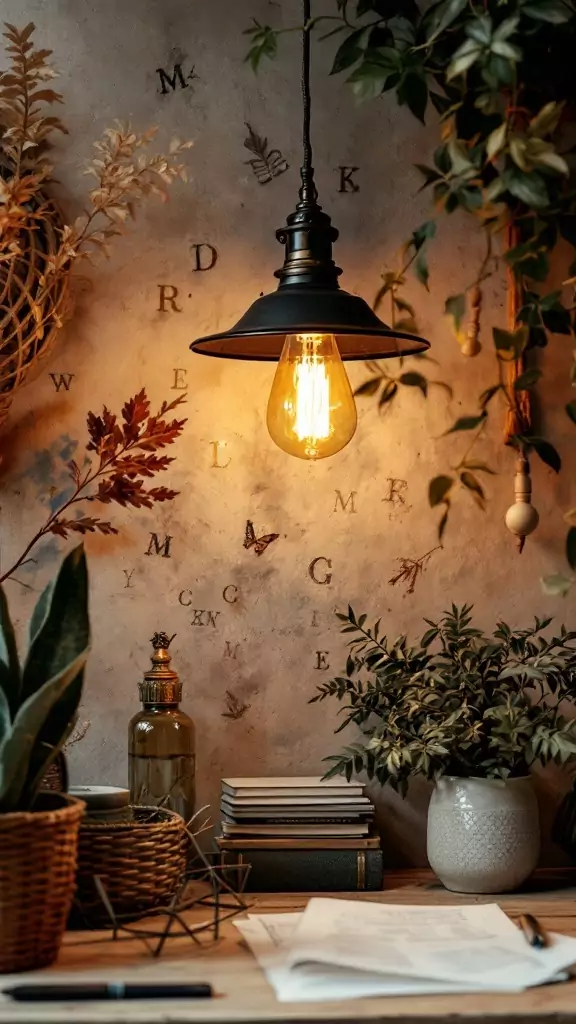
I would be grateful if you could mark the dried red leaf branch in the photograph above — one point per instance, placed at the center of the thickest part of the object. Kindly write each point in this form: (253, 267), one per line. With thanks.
(126, 456)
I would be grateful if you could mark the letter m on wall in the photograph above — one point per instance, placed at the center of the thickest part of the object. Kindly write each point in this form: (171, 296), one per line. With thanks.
(158, 547)
(168, 81)
(345, 504)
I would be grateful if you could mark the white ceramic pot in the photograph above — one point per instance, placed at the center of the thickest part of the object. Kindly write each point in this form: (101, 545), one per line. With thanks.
(483, 834)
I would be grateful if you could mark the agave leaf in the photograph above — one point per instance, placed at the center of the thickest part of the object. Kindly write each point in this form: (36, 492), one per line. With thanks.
(52, 737)
(61, 625)
(16, 750)
(5, 717)
(40, 612)
(10, 680)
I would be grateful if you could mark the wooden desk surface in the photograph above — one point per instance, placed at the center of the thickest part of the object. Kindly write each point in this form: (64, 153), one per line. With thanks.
(243, 994)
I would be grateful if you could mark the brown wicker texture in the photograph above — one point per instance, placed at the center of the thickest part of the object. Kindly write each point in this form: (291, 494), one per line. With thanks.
(31, 307)
(37, 880)
(140, 863)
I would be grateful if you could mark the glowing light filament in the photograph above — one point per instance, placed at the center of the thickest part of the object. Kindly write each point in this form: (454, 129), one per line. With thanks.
(311, 410)
(312, 400)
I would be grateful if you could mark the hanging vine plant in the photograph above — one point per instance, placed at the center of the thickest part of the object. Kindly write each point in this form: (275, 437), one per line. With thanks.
(497, 78)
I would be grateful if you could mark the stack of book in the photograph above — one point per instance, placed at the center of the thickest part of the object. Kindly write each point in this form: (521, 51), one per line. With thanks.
(300, 834)
(293, 806)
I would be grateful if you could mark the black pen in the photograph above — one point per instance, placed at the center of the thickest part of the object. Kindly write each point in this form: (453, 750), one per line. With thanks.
(533, 931)
(111, 990)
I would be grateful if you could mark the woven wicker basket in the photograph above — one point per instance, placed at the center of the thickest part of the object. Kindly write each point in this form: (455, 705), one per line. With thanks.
(140, 863)
(37, 880)
(32, 306)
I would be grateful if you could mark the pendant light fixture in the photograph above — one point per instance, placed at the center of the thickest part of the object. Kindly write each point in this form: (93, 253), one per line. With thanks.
(309, 324)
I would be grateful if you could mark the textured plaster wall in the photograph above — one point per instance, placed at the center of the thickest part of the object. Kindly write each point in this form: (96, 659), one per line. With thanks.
(118, 342)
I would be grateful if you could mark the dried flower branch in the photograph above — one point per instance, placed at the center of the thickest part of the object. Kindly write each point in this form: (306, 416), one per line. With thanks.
(125, 176)
(37, 249)
(125, 453)
(26, 131)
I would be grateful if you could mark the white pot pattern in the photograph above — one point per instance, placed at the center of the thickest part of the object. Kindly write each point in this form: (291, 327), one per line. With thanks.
(483, 834)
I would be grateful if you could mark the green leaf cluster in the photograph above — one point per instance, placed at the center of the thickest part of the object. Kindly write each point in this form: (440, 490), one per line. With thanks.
(499, 76)
(456, 702)
(39, 699)
(264, 43)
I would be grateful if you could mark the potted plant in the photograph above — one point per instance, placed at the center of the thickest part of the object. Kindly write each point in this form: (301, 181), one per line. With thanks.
(470, 713)
(38, 710)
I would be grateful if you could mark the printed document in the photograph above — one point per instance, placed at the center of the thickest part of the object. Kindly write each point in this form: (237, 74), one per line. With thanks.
(344, 949)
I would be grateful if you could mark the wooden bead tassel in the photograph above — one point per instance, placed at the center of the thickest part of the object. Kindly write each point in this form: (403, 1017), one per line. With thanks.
(522, 518)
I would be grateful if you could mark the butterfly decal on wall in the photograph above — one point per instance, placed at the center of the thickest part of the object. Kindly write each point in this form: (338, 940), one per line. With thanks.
(258, 543)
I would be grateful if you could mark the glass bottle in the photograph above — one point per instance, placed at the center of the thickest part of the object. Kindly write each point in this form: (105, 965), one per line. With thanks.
(161, 739)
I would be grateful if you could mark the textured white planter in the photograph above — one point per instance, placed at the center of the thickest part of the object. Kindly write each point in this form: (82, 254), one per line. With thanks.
(483, 834)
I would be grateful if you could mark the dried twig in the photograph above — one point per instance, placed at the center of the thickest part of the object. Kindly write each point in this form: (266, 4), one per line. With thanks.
(78, 734)
(236, 707)
(411, 569)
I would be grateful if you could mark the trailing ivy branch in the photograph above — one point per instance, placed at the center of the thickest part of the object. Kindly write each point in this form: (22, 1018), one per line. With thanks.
(500, 78)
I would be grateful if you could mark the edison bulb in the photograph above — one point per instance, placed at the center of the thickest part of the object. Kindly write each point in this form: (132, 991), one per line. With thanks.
(311, 409)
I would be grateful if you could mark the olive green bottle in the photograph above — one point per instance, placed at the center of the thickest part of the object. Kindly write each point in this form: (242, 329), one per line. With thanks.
(161, 740)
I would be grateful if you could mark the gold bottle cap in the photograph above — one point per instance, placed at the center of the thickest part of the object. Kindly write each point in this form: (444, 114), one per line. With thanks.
(161, 685)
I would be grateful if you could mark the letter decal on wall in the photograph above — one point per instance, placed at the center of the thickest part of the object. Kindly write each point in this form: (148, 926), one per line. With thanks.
(203, 260)
(347, 184)
(157, 548)
(164, 297)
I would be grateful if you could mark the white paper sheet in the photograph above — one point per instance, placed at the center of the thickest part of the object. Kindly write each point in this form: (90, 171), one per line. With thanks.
(268, 934)
(344, 949)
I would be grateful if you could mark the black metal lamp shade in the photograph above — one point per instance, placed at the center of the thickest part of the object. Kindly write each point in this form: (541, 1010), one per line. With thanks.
(308, 299)
(261, 332)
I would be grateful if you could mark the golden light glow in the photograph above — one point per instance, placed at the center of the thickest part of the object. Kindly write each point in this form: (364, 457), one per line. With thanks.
(311, 410)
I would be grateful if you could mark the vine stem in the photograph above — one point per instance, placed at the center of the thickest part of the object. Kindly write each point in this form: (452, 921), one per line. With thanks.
(471, 445)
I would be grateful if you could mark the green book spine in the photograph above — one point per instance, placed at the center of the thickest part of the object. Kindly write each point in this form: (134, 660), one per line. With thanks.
(309, 870)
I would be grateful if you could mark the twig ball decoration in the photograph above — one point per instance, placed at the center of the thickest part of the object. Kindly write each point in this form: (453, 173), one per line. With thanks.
(522, 518)
(32, 303)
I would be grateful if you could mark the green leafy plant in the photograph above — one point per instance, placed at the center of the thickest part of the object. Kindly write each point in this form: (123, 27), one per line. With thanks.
(39, 699)
(456, 702)
(498, 75)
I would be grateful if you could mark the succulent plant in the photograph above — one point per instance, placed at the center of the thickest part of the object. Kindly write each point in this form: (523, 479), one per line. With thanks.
(39, 699)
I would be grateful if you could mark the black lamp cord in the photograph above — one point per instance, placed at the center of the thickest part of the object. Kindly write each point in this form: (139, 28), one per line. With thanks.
(308, 193)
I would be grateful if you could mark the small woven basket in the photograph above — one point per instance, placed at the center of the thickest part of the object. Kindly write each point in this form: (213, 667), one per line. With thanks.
(141, 864)
(37, 880)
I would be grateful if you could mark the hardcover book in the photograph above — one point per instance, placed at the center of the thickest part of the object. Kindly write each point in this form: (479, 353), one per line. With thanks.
(290, 786)
(354, 829)
(307, 870)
